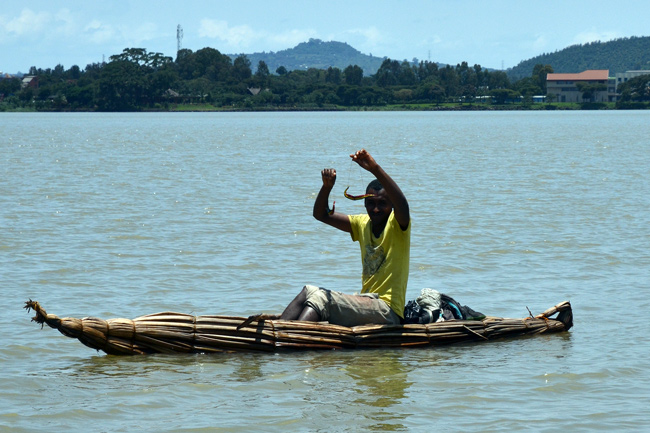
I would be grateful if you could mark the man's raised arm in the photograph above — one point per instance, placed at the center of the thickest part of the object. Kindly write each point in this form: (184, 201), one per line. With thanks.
(321, 205)
(395, 194)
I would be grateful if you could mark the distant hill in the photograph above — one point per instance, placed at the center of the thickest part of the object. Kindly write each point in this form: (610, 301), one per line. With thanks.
(619, 55)
(316, 54)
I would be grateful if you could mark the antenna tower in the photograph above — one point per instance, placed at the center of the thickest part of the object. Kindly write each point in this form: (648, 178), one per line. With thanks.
(179, 38)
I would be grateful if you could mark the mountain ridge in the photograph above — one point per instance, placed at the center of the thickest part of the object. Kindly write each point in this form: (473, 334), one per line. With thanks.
(318, 54)
(618, 55)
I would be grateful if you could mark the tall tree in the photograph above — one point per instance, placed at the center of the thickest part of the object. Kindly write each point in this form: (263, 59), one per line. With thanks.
(333, 75)
(388, 73)
(213, 65)
(353, 75)
(406, 75)
(427, 69)
(122, 87)
(262, 74)
(540, 72)
(242, 68)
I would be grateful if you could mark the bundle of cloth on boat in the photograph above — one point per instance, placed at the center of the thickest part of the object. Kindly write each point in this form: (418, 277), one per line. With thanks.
(432, 306)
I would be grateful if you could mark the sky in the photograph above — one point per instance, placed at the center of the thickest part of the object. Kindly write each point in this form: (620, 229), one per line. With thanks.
(494, 34)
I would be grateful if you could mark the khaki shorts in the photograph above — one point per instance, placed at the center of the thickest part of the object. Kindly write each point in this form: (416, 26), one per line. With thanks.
(350, 310)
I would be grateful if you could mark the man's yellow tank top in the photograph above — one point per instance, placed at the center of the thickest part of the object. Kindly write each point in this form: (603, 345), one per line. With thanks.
(385, 259)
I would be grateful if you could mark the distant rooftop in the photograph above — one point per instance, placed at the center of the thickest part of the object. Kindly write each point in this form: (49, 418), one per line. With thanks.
(589, 75)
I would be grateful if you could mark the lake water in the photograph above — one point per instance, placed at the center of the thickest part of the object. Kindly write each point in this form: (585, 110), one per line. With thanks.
(121, 215)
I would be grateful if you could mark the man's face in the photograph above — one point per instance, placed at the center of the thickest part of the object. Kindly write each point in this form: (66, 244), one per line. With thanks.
(378, 207)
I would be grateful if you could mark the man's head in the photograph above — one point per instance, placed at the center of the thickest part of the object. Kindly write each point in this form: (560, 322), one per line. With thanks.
(378, 207)
(374, 186)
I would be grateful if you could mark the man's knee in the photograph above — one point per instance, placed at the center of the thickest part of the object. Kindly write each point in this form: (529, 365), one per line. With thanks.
(317, 298)
(308, 314)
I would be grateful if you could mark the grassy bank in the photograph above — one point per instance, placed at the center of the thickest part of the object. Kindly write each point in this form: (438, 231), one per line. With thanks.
(451, 106)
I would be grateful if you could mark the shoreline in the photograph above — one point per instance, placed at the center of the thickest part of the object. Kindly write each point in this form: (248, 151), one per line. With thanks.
(203, 108)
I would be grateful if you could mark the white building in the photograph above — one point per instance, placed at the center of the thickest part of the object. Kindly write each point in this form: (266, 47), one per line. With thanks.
(622, 77)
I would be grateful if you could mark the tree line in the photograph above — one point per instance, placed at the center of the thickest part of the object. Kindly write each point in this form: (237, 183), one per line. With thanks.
(137, 80)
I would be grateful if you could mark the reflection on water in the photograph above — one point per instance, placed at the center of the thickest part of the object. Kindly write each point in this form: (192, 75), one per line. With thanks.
(249, 367)
(125, 366)
(382, 376)
(369, 383)
(369, 386)
(382, 381)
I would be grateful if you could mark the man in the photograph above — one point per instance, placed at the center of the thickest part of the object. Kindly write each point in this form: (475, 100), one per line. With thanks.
(384, 237)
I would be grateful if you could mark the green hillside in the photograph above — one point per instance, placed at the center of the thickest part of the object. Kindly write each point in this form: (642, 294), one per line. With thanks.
(619, 55)
(316, 54)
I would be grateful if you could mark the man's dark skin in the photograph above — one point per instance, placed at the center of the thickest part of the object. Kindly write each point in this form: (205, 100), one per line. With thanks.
(389, 198)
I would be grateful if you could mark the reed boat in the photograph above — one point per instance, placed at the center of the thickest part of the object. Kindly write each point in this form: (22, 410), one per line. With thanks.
(169, 332)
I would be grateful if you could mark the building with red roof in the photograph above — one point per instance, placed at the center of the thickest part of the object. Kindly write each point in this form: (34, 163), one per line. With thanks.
(587, 86)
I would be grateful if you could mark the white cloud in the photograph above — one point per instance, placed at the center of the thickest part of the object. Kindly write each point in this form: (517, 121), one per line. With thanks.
(239, 38)
(290, 38)
(432, 40)
(371, 35)
(65, 22)
(98, 32)
(63, 25)
(540, 43)
(144, 32)
(28, 22)
(366, 40)
(593, 36)
(236, 37)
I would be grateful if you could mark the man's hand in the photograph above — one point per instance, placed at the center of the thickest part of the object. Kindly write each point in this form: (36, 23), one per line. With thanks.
(321, 208)
(329, 177)
(363, 158)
